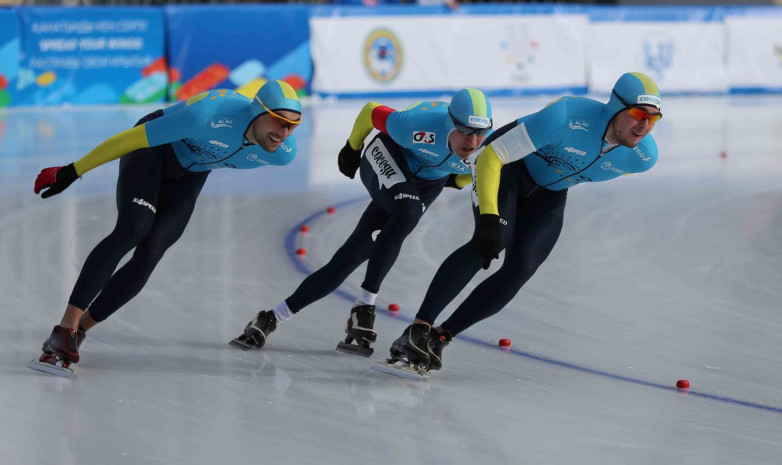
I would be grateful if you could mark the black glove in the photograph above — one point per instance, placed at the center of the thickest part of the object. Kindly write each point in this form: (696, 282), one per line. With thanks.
(56, 179)
(349, 160)
(488, 240)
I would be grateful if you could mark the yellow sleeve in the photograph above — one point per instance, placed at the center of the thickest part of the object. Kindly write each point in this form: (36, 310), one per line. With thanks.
(487, 180)
(363, 126)
(462, 180)
(112, 148)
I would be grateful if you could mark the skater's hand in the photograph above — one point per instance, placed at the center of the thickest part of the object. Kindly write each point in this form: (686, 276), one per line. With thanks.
(451, 182)
(349, 160)
(487, 240)
(55, 180)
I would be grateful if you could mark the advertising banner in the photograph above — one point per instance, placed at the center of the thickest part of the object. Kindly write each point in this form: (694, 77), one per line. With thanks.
(389, 54)
(237, 47)
(681, 56)
(9, 56)
(91, 55)
(755, 53)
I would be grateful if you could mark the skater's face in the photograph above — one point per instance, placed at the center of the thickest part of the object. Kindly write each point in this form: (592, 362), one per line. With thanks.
(271, 128)
(464, 145)
(632, 124)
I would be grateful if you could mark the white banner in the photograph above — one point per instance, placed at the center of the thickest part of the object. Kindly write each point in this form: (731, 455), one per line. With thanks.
(369, 54)
(754, 51)
(680, 56)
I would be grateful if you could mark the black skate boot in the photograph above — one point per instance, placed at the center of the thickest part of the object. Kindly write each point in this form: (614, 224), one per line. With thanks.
(359, 328)
(437, 342)
(257, 331)
(59, 351)
(409, 354)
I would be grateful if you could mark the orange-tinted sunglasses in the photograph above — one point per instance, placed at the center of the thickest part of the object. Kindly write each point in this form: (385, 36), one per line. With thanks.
(281, 119)
(640, 114)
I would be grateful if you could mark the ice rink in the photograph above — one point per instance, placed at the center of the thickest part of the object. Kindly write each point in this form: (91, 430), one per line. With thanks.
(672, 274)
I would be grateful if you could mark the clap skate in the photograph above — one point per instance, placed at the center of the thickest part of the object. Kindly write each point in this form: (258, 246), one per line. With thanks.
(256, 332)
(409, 355)
(359, 329)
(59, 351)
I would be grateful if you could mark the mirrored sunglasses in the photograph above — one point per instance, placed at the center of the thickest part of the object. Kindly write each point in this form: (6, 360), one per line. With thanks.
(640, 114)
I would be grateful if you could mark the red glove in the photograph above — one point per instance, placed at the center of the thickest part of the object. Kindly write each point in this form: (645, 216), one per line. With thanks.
(56, 179)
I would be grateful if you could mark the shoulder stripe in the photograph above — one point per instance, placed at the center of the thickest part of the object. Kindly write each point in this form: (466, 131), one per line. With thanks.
(380, 117)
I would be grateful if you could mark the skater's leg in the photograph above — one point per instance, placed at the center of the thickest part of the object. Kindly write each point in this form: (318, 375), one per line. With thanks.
(348, 257)
(177, 202)
(139, 178)
(461, 266)
(403, 196)
(451, 278)
(539, 225)
(403, 216)
(140, 175)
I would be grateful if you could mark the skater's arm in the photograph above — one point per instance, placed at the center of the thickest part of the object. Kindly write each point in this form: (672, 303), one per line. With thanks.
(372, 116)
(487, 180)
(112, 148)
(457, 181)
(177, 122)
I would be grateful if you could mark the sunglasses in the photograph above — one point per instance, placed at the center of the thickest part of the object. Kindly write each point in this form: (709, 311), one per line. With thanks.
(467, 130)
(640, 114)
(281, 120)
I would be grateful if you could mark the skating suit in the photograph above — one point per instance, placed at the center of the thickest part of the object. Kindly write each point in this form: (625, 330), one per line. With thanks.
(166, 159)
(404, 169)
(421, 131)
(538, 157)
(206, 133)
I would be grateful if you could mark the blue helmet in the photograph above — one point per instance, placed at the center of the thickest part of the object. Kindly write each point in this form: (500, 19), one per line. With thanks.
(275, 96)
(470, 108)
(633, 89)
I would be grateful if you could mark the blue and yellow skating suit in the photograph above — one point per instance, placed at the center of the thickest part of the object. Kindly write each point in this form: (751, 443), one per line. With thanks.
(421, 131)
(206, 132)
(562, 145)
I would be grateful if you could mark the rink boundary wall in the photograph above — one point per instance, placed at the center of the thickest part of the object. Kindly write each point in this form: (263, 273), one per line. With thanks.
(151, 54)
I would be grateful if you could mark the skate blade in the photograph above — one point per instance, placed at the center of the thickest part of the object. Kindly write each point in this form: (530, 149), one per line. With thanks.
(50, 369)
(403, 371)
(236, 342)
(353, 349)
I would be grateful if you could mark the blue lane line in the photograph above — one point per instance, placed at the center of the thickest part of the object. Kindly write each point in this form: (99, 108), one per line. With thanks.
(290, 248)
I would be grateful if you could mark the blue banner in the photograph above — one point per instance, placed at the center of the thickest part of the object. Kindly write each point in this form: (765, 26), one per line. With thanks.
(91, 55)
(237, 47)
(9, 56)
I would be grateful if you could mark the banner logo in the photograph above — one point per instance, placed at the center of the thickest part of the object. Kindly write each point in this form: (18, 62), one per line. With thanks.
(383, 55)
(657, 55)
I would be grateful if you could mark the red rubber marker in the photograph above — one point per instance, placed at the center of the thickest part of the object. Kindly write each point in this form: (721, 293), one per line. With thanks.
(683, 384)
(724, 154)
(331, 210)
(504, 343)
(301, 252)
(304, 229)
(393, 307)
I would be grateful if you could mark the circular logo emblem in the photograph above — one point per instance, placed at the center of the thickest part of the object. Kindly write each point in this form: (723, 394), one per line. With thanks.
(383, 55)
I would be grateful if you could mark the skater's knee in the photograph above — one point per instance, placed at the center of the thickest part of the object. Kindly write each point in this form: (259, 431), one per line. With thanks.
(406, 214)
(133, 232)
